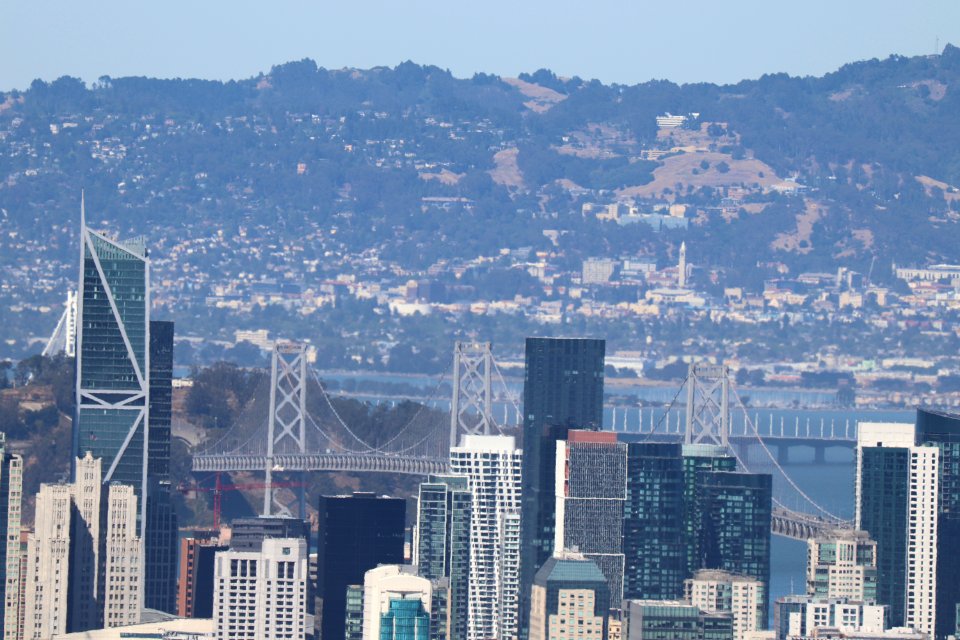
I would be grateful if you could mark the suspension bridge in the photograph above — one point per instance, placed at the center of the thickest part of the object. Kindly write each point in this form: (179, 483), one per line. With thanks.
(291, 424)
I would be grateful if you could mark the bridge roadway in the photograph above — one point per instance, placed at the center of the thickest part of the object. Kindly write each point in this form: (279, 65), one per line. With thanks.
(786, 523)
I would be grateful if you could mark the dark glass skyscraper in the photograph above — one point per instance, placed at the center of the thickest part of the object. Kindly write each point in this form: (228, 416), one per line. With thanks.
(443, 541)
(160, 532)
(356, 534)
(653, 525)
(698, 458)
(884, 505)
(113, 345)
(942, 430)
(563, 388)
(735, 510)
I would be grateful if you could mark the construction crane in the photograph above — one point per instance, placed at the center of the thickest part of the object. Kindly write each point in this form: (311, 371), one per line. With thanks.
(218, 488)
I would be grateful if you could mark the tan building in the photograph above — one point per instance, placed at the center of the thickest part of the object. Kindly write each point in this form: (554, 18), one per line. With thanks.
(570, 600)
(714, 591)
(66, 552)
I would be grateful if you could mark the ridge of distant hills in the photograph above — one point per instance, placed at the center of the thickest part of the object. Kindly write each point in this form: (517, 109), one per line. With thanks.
(857, 168)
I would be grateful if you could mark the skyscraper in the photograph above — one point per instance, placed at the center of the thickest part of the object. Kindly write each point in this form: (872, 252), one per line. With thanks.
(356, 533)
(942, 430)
(113, 358)
(83, 558)
(261, 595)
(442, 548)
(590, 497)
(11, 504)
(842, 564)
(653, 522)
(698, 458)
(736, 509)
(563, 388)
(897, 502)
(570, 599)
(493, 466)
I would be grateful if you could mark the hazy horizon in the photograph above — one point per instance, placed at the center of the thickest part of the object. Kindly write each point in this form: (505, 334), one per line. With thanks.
(619, 42)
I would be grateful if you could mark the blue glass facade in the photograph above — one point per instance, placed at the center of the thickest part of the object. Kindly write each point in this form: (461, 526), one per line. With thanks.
(406, 619)
(112, 345)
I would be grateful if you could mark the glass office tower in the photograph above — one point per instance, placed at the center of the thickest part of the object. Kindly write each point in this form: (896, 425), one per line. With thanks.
(356, 533)
(698, 458)
(160, 531)
(653, 525)
(443, 541)
(735, 510)
(113, 370)
(563, 388)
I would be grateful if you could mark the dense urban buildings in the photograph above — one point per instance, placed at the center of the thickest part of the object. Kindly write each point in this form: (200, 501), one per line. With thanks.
(356, 533)
(493, 465)
(897, 501)
(570, 599)
(697, 460)
(442, 543)
(262, 595)
(562, 389)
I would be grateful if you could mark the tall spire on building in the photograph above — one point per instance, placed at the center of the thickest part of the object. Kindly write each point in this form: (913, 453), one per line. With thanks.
(682, 267)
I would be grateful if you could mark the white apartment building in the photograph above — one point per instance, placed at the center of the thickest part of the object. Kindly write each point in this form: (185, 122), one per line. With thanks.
(493, 466)
(64, 552)
(262, 595)
(919, 487)
(715, 591)
(386, 583)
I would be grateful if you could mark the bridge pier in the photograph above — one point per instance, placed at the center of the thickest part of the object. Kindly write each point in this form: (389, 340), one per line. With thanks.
(783, 454)
(819, 454)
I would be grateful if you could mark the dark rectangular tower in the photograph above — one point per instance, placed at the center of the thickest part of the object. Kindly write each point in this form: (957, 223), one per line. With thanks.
(563, 388)
(653, 540)
(356, 533)
(735, 512)
(160, 532)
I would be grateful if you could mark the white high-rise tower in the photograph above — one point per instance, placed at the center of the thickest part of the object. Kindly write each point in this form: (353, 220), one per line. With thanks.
(492, 465)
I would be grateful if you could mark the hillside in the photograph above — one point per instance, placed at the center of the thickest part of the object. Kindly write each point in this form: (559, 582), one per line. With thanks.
(307, 175)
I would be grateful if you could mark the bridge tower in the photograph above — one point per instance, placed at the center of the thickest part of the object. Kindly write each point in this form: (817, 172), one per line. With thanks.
(708, 404)
(286, 425)
(471, 409)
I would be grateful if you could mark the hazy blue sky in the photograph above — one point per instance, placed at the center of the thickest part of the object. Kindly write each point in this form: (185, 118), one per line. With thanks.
(615, 40)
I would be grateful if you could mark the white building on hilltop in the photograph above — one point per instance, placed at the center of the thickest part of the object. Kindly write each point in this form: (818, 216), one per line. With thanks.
(493, 466)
